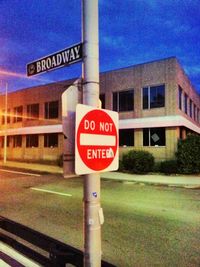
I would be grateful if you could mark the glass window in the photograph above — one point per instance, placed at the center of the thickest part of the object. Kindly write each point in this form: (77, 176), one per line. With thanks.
(103, 100)
(2, 141)
(186, 103)
(126, 137)
(8, 141)
(8, 116)
(18, 113)
(17, 141)
(190, 108)
(195, 110)
(157, 96)
(3, 116)
(33, 111)
(198, 115)
(146, 136)
(145, 98)
(154, 137)
(51, 140)
(32, 140)
(180, 91)
(115, 101)
(51, 110)
(126, 101)
(154, 96)
(123, 101)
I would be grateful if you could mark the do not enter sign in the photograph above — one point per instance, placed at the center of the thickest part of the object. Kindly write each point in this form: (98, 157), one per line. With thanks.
(96, 140)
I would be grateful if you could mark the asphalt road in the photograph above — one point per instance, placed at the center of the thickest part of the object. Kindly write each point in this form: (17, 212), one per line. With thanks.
(25, 198)
(33, 200)
(144, 225)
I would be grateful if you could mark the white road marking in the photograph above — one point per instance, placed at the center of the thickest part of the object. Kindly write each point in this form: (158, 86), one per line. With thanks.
(17, 172)
(51, 192)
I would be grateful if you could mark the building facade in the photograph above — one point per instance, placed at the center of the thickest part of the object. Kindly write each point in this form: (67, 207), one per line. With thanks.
(157, 106)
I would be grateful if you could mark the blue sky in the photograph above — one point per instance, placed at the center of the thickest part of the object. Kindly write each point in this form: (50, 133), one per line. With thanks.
(130, 32)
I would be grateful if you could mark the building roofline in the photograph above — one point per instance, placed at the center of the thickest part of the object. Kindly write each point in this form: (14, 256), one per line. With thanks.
(140, 64)
(188, 78)
(71, 80)
(64, 82)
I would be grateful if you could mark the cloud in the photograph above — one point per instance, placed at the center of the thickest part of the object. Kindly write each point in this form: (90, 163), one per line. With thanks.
(193, 70)
(118, 42)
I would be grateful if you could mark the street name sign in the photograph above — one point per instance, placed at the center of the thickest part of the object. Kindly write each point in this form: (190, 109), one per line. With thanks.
(96, 140)
(59, 59)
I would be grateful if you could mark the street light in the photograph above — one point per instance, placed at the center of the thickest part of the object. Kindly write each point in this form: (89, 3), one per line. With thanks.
(6, 121)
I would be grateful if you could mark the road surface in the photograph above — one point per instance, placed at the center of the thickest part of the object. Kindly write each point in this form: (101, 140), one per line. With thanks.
(144, 225)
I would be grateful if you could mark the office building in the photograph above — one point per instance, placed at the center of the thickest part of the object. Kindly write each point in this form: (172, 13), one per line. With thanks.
(156, 101)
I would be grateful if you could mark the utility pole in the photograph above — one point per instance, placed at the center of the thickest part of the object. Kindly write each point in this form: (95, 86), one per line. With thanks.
(6, 121)
(90, 72)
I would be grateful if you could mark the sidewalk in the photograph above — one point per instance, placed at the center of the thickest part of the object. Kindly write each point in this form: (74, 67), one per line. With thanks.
(32, 167)
(188, 181)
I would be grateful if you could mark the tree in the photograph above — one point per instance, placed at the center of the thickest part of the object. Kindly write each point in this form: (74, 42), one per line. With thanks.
(188, 154)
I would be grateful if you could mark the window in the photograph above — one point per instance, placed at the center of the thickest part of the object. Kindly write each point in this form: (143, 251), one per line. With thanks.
(33, 111)
(154, 137)
(3, 116)
(180, 91)
(2, 141)
(103, 101)
(51, 140)
(32, 140)
(8, 141)
(126, 137)
(18, 112)
(8, 116)
(195, 112)
(51, 110)
(198, 115)
(186, 103)
(145, 98)
(17, 141)
(154, 97)
(123, 101)
(190, 108)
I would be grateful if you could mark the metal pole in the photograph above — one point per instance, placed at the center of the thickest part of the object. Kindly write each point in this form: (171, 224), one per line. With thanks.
(90, 72)
(5, 116)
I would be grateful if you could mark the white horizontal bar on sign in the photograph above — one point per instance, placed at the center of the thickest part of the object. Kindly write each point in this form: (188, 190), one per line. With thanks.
(97, 140)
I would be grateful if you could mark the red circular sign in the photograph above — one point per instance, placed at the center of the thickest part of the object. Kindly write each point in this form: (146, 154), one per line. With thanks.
(97, 140)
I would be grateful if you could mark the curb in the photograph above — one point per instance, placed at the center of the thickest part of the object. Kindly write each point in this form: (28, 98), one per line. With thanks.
(34, 170)
(143, 183)
(125, 181)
